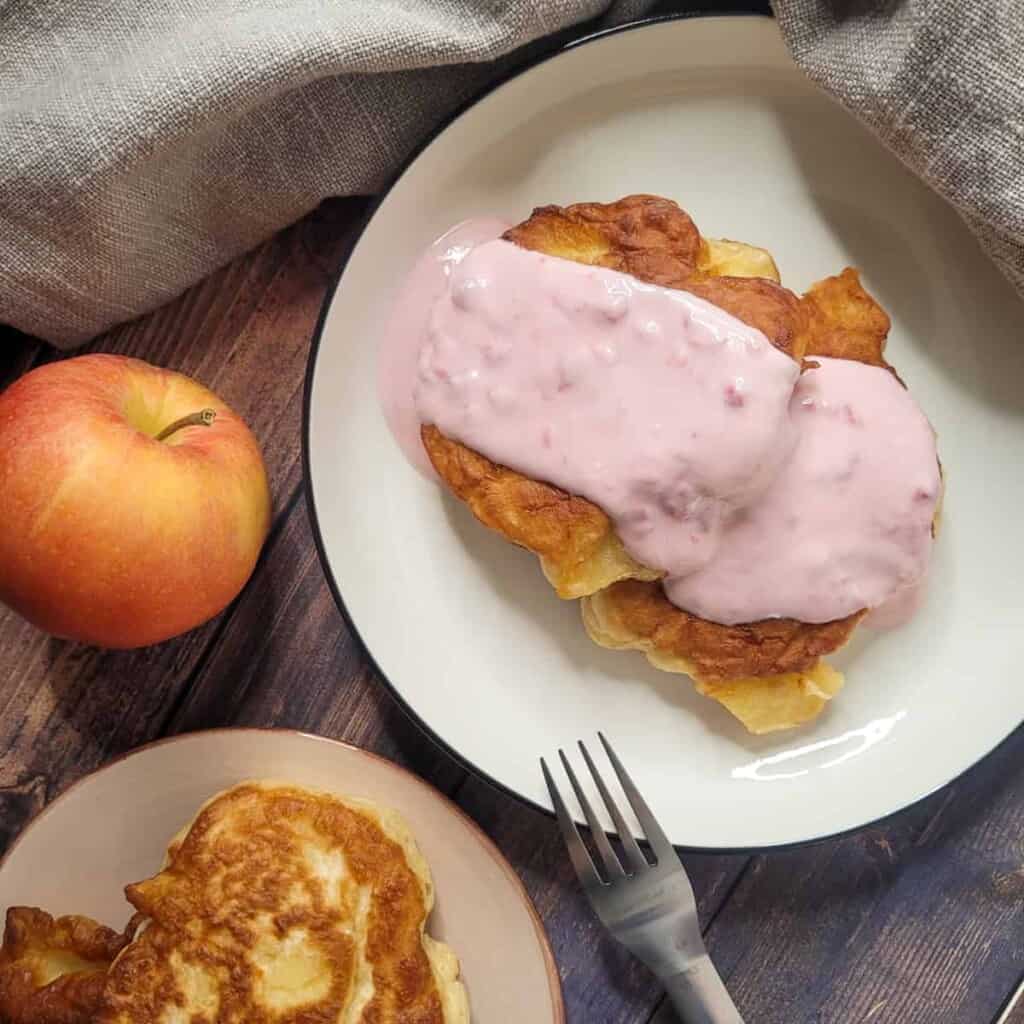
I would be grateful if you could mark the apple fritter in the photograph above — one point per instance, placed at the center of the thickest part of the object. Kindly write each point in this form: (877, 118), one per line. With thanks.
(276, 904)
(762, 704)
(638, 615)
(53, 970)
(578, 547)
(280, 903)
(769, 673)
(646, 236)
(844, 321)
(657, 242)
(841, 319)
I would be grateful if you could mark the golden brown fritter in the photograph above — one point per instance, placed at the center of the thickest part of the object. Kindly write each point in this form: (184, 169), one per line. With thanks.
(768, 673)
(277, 904)
(280, 903)
(578, 548)
(657, 242)
(53, 971)
(646, 236)
(772, 309)
(842, 319)
(714, 652)
(761, 703)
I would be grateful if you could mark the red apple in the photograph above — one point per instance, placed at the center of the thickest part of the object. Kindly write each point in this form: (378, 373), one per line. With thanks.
(133, 501)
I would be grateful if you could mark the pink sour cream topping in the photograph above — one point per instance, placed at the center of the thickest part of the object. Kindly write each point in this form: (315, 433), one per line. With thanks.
(760, 492)
(847, 523)
(662, 409)
(406, 330)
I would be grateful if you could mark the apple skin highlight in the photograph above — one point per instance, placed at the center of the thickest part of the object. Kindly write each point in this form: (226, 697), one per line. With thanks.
(109, 536)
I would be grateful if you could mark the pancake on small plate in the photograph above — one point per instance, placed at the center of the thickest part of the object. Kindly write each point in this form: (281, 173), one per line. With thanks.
(290, 890)
(277, 903)
(53, 971)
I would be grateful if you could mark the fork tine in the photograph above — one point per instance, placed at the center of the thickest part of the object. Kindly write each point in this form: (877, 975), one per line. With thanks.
(578, 853)
(611, 861)
(655, 836)
(637, 861)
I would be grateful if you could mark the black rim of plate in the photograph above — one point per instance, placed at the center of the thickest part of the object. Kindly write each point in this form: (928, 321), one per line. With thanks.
(307, 481)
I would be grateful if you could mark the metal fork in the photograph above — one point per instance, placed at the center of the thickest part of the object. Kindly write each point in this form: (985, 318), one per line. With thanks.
(648, 907)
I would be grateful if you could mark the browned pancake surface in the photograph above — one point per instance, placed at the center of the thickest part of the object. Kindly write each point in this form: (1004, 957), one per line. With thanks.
(53, 970)
(271, 909)
(769, 647)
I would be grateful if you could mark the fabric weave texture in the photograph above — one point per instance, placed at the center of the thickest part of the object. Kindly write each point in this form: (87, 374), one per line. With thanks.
(147, 143)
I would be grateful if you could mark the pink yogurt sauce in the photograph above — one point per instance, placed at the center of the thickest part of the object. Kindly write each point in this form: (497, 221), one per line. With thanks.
(760, 492)
(406, 331)
(846, 525)
(662, 409)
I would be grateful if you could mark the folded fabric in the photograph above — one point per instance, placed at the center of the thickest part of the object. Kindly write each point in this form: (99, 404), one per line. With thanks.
(146, 143)
(941, 82)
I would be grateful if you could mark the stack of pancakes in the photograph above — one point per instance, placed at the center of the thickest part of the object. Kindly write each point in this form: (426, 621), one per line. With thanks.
(277, 904)
(769, 673)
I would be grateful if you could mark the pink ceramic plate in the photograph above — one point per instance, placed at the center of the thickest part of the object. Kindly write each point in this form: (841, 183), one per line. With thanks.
(113, 827)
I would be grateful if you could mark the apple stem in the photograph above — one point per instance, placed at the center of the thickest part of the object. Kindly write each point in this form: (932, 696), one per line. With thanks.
(203, 418)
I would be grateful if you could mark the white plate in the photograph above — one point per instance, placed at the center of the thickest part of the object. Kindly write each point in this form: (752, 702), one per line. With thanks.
(710, 112)
(113, 827)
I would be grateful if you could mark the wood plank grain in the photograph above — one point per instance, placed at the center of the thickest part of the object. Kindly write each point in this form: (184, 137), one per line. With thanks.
(286, 658)
(65, 708)
(916, 921)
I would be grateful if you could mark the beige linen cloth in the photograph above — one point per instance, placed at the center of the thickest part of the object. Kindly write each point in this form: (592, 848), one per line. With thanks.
(143, 143)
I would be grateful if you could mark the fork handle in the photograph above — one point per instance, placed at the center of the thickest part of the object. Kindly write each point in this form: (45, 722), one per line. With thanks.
(699, 996)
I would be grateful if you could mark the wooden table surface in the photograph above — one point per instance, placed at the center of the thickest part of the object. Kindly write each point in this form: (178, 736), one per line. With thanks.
(919, 920)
